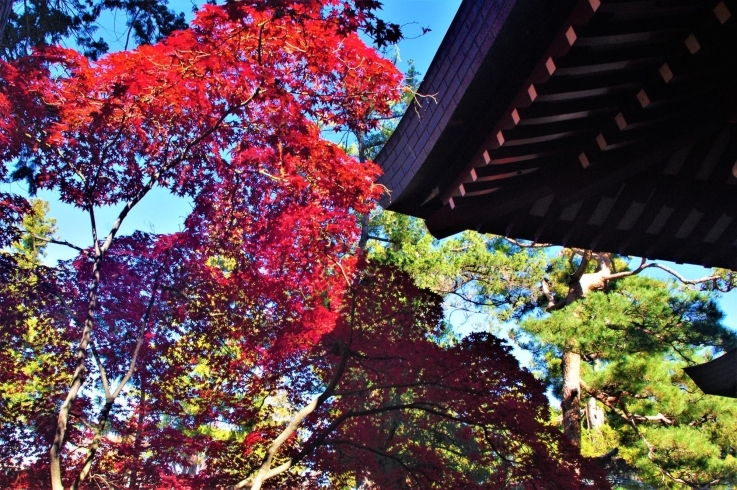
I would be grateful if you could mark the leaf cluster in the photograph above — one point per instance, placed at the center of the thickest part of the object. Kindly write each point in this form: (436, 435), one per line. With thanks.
(37, 23)
(181, 336)
(476, 272)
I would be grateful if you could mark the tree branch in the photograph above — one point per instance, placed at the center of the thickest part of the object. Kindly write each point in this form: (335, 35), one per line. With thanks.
(552, 304)
(265, 471)
(59, 242)
(585, 258)
(379, 239)
(101, 368)
(110, 397)
(399, 460)
(521, 244)
(182, 156)
(655, 265)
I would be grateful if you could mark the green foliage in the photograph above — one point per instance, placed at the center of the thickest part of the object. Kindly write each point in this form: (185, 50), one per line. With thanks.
(638, 315)
(476, 272)
(33, 371)
(635, 337)
(37, 227)
(661, 423)
(42, 23)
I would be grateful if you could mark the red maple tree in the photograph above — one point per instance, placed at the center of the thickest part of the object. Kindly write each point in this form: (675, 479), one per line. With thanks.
(174, 360)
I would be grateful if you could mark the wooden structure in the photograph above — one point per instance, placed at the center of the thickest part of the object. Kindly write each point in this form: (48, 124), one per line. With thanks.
(601, 124)
(717, 377)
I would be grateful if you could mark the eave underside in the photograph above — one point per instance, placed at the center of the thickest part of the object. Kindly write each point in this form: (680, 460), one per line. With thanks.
(621, 139)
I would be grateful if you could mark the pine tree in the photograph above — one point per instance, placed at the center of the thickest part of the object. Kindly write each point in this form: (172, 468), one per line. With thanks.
(583, 312)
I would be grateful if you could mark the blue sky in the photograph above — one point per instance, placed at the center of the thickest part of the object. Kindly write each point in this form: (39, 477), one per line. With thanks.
(163, 213)
(413, 15)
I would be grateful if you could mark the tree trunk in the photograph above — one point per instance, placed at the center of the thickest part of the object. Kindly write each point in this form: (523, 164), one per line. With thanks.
(79, 377)
(5, 7)
(581, 285)
(571, 403)
(594, 414)
(133, 483)
(365, 218)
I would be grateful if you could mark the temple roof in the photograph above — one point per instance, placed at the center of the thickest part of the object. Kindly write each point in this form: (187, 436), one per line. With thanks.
(717, 377)
(605, 125)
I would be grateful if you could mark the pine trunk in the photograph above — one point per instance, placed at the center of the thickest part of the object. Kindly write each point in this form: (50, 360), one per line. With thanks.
(571, 403)
(581, 286)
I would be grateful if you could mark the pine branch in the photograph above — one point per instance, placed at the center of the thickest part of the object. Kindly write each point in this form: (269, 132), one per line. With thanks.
(521, 244)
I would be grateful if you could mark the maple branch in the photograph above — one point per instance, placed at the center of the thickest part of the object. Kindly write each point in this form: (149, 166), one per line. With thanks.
(342, 271)
(165, 168)
(265, 471)
(80, 369)
(93, 226)
(260, 40)
(92, 449)
(490, 439)
(69, 163)
(83, 419)
(59, 242)
(110, 397)
(103, 373)
(427, 407)
(436, 382)
(139, 430)
(144, 323)
(417, 105)
(57, 295)
(272, 177)
(410, 470)
(103, 158)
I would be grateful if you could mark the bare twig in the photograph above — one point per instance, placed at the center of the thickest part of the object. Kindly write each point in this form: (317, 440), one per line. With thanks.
(379, 239)
(59, 242)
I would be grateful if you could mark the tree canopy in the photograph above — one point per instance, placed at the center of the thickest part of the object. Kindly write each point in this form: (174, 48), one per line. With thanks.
(604, 338)
(33, 23)
(30, 23)
(252, 348)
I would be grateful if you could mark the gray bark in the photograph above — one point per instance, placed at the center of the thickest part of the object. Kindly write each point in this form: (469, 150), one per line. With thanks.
(594, 414)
